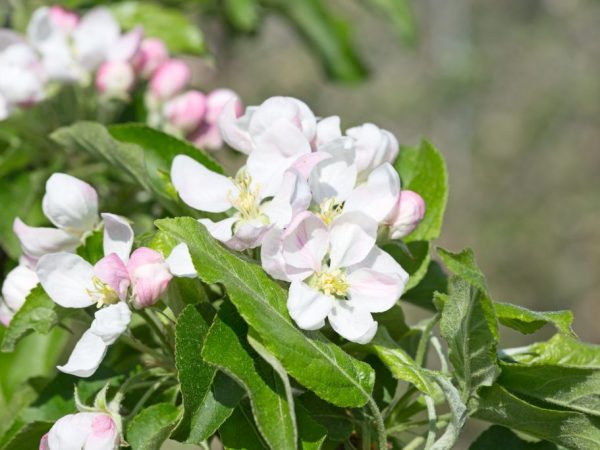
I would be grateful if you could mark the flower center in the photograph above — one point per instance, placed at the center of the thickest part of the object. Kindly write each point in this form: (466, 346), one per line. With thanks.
(329, 209)
(331, 282)
(102, 293)
(248, 200)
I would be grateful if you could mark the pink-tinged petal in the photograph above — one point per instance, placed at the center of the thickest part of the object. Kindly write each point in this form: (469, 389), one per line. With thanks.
(67, 279)
(111, 270)
(217, 100)
(408, 212)
(352, 236)
(234, 127)
(150, 276)
(94, 37)
(17, 285)
(39, 241)
(306, 163)
(382, 262)
(247, 234)
(374, 146)
(44, 442)
(287, 109)
(115, 79)
(127, 45)
(305, 243)
(169, 79)
(374, 291)
(85, 358)
(186, 111)
(334, 177)
(328, 129)
(352, 322)
(201, 188)
(221, 230)
(6, 314)
(111, 322)
(207, 136)
(151, 54)
(118, 236)
(71, 431)
(275, 152)
(180, 262)
(104, 434)
(377, 196)
(63, 19)
(271, 254)
(308, 307)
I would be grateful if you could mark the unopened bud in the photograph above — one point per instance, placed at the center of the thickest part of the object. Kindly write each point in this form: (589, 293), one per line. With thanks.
(406, 214)
(115, 79)
(186, 111)
(170, 78)
(150, 276)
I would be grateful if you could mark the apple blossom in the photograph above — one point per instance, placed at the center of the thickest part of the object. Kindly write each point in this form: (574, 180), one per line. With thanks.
(82, 431)
(338, 273)
(374, 146)
(72, 206)
(16, 287)
(407, 213)
(169, 79)
(150, 276)
(254, 213)
(115, 79)
(63, 19)
(207, 135)
(152, 53)
(185, 112)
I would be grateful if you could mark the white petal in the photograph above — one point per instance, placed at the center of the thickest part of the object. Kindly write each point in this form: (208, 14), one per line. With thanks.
(352, 322)
(381, 261)
(305, 243)
(96, 33)
(180, 262)
(221, 230)
(86, 356)
(292, 198)
(17, 285)
(66, 278)
(40, 28)
(248, 234)
(127, 45)
(6, 314)
(377, 197)
(70, 432)
(352, 236)
(307, 306)
(201, 188)
(271, 256)
(234, 130)
(334, 177)
(70, 203)
(118, 236)
(111, 322)
(306, 163)
(374, 291)
(328, 129)
(39, 241)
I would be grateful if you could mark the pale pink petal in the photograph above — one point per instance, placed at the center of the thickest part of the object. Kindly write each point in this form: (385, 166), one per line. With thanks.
(201, 188)
(118, 236)
(374, 291)
(17, 285)
(307, 306)
(407, 213)
(94, 36)
(127, 45)
(306, 163)
(352, 322)
(334, 177)
(67, 279)
(85, 358)
(352, 236)
(104, 434)
(150, 276)
(6, 314)
(305, 243)
(221, 230)
(180, 262)
(217, 100)
(248, 234)
(377, 196)
(374, 146)
(111, 270)
(39, 241)
(288, 109)
(111, 322)
(328, 129)
(234, 128)
(70, 432)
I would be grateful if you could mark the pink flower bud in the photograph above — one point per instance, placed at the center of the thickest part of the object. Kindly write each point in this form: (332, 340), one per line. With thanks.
(170, 78)
(63, 19)
(115, 78)
(151, 54)
(406, 214)
(186, 111)
(83, 430)
(150, 276)
(216, 101)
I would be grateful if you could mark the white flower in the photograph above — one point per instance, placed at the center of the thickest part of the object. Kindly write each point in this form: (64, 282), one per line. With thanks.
(338, 273)
(16, 287)
(83, 431)
(254, 213)
(374, 146)
(72, 206)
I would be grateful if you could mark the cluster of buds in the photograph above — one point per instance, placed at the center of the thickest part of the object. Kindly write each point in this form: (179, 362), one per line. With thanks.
(317, 202)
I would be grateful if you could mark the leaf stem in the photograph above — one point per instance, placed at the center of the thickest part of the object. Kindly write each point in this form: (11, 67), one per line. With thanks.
(380, 427)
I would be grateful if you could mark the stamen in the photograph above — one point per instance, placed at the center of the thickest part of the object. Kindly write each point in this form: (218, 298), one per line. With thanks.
(102, 293)
(329, 209)
(331, 282)
(248, 200)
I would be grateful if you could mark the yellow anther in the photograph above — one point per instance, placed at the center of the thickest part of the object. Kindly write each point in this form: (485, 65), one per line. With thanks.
(331, 282)
(329, 209)
(102, 293)
(248, 200)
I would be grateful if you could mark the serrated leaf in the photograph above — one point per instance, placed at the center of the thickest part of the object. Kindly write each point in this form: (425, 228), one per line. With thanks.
(499, 438)
(239, 431)
(39, 313)
(565, 428)
(152, 426)
(225, 347)
(561, 350)
(464, 265)
(170, 25)
(307, 356)
(435, 280)
(423, 171)
(527, 321)
(194, 374)
(413, 257)
(469, 327)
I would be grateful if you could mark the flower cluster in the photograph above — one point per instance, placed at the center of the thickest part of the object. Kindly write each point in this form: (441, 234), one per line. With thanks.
(62, 47)
(317, 202)
(120, 279)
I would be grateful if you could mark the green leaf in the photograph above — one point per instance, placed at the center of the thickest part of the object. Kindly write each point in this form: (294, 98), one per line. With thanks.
(463, 264)
(39, 313)
(401, 14)
(194, 374)
(239, 431)
(402, 366)
(566, 428)
(527, 321)
(423, 171)
(28, 437)
(92, 249)
(413, 257)
(393, 320)
(327, 35)
(333, 419)
(469, 327)
(311, 433)
(177, 31)
(308, 357)
(568, 387)
(498, 438)
(242, 14)
(152, 426)
(560, 350)
(435, 280)
(226, 348)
